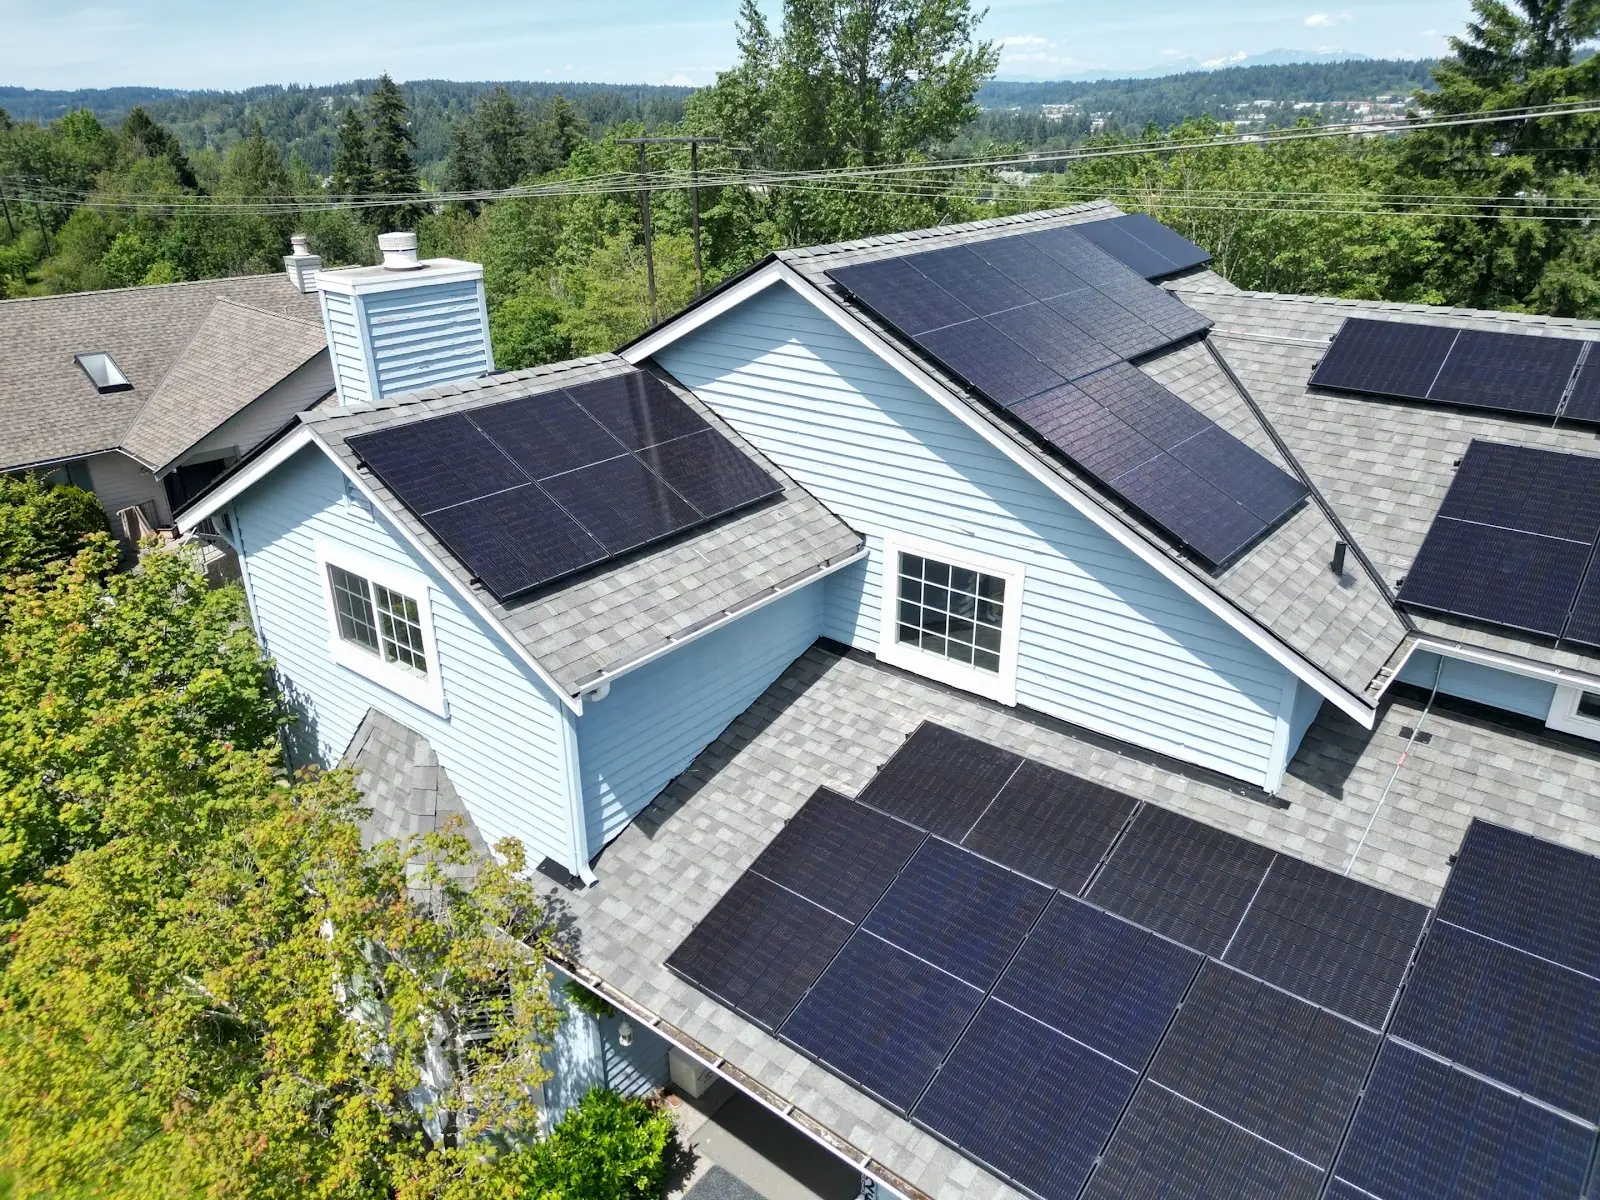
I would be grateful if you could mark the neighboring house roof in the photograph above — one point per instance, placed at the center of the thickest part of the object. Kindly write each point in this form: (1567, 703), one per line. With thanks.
(1346, 628)
(1384, 464)
(403, 784)
(647, 603)
(237, 354)
(49, 411)
(834, 720)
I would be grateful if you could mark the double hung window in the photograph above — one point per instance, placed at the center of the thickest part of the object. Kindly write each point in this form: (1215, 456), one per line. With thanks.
(381, 624)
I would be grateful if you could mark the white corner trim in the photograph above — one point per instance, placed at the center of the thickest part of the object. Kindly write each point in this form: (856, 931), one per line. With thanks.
(303, 437)
(736, 295)
(1001, 687)
(425, 691)
(1346, 701)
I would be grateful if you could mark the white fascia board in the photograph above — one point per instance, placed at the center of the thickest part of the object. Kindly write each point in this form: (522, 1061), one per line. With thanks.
(1499, 661)
(1329, 689)
(297, 441)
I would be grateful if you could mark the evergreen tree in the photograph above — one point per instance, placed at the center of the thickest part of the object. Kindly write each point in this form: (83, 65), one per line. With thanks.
(143, 137)
(567, 129)
(503, 133)
(394, 173)
(462, 172)
(352, 164)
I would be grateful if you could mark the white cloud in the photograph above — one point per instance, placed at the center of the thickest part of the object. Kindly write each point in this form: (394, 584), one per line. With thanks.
(1326, 20)
(679, 80)
(1023, 39)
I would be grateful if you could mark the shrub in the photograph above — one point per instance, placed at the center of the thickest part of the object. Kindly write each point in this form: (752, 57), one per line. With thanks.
(610, 1147)
(41, 523)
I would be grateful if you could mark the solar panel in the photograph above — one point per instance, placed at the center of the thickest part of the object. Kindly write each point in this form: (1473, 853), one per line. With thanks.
(1583, 624)
(1282, 1068)
(1108, 322)
(1531, 1024)
(839, 854)
(710, 472)
(902, 295)
(1169, 1147)
(436, 463)
(1085, 431)
(515, 540)
(1181, 878)
(1520, 487)
(1051, 825)
(1101, 980)
(962, 273)
(993, 364)
(1336, 941)
(1503, 576)
(1038, 274)
(958, 911)
(1192, 512)
(1427, 1131)
(637, 408)
(1583, 405)
(1053, 340)
(1032, 1105)
(545, 434)
(1247, 478)
(941, 780)
(1385, 358)
(1528, 893)
(1174, 247)
(1131, 395)
(759, 949)
(1119, 242)
(904, 1015)
(1508, 372)
(622, 503)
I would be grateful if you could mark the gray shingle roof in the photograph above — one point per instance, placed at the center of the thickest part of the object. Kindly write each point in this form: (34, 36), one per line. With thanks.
(1385, 465)
(48, 408)
(835, 720)
(646, 602)
(1347, 628)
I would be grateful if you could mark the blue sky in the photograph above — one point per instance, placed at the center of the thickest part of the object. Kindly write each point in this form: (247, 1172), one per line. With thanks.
(208, 43)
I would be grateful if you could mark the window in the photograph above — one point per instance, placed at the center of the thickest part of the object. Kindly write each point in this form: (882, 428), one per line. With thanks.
(1589, 705)
(1574, 710)
(103, 372)
(951, 615)
(381, 624)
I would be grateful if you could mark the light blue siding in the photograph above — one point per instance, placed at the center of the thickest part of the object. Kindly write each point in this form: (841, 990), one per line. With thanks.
(656, 719)
(346, 350)
(1106, 641)
(1307, 703)
(504, 740)
(1485, 685)
(588, 1053)
(425, 335)
(637, 1069)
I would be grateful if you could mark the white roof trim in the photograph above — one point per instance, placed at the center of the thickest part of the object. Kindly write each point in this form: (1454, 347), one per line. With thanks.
(1351, 705)
(299, 440)
(1499, 661)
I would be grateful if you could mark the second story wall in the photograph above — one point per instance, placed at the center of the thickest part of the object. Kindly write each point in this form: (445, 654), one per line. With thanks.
(503, 739)
(268, 413)
(1103, 640)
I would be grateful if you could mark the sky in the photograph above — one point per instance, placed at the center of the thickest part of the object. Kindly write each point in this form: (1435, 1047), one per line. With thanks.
(237, 43)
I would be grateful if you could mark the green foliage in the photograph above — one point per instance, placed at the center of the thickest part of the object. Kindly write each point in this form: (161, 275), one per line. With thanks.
(390, 143)
(352, 164)
(42, 523)
(608, 1148)
(504, 134)
(112, 683)
(586, 1001)
(463, 171)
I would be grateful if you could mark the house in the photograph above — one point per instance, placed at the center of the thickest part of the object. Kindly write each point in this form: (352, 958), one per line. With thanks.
(144, 395)
(840, 530)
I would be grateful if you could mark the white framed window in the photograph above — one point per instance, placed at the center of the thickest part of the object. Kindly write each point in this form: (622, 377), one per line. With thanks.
(951, 615)
(1574, 710)
(380, 624)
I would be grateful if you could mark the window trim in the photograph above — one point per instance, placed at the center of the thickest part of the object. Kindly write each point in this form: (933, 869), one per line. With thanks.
(1564, 716)
(1001, 686)
(424, 691)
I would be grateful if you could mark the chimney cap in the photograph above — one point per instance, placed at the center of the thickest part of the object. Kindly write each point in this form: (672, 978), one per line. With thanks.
(399, 251)
(299, 244)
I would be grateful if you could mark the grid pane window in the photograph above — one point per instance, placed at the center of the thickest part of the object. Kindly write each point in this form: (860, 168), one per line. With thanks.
(353, 605)
(401, 630)
(954, 612)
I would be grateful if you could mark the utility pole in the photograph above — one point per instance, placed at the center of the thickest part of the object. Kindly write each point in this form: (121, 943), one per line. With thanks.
(694, 144)
(4, 204)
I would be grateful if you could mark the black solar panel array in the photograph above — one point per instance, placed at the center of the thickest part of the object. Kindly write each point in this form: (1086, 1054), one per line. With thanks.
(1514, 543)
(1044, 325)
(1143, 244)
(528, 491)
(1517, 373)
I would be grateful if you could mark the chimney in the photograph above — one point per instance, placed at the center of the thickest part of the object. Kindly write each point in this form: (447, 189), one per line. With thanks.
(302, 265)
(408, 324)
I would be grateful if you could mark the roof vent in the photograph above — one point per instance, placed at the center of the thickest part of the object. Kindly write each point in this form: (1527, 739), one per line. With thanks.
(399, 251)
(302, 265)
(1339, 549)
(103, 372)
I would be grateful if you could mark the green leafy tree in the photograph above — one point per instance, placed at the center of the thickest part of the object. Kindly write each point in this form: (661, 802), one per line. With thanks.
(141, 136)
(394, 172)
(43, 523)
(110, 681)
(505, 137)
(609, 1147)
(352, 162)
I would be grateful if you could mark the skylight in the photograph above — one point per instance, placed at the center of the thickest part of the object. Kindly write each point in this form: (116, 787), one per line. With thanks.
(103, 372)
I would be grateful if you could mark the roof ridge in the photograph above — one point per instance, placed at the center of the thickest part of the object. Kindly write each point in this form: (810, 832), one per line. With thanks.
(255, 308)
(138, 288)
(1400, 306)
(910, 236)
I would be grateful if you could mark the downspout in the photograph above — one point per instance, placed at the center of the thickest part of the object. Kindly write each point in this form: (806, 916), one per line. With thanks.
(577, 814)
